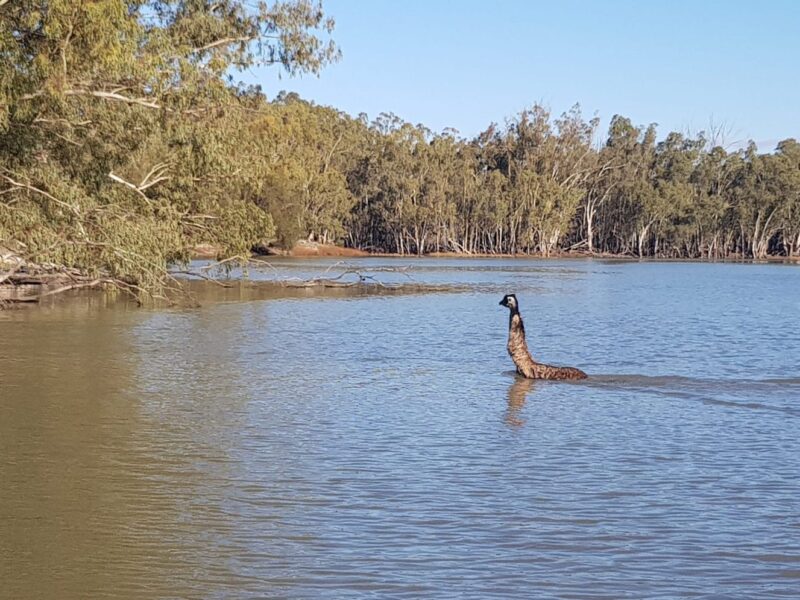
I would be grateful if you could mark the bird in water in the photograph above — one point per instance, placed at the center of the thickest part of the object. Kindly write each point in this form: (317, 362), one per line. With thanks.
(518, 349)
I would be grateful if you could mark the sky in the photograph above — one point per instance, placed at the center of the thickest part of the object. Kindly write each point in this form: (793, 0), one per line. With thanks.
(465, 64)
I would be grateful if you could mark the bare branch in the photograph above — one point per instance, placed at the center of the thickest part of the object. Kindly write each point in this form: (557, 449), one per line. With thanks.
(62, 289)
(66, 139)
(362, 278)
(31, 188)
(62, 122)
(157, 172)
(18, 266)
(101, 94)
(134, 187)
(202, 276)
(224, 42)
(113, 96)
(220, 263)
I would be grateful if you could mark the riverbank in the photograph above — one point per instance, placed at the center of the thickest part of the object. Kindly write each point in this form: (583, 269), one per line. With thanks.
(21, 285)
(306, 249)
(311, 249)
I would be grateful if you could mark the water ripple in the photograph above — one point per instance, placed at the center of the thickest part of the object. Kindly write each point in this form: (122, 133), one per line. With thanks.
(381, 447)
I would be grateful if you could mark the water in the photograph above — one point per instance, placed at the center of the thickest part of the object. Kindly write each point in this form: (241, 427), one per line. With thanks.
(380, 446)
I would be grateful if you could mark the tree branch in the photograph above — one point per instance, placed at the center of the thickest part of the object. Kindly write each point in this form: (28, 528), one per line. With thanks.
(61, 121)
(60, 290)
(157, 172)
(224, 42)
(133, 186)
(16, 268)
(202, 276)
(31, 188)
(101, 94)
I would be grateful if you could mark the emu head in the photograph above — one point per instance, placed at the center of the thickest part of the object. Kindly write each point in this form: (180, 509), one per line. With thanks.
(510, 301)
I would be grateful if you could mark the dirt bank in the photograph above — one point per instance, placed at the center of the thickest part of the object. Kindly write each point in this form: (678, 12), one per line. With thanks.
(306, 249)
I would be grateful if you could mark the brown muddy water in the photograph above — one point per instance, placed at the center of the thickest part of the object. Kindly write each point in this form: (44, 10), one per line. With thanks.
(350, 445)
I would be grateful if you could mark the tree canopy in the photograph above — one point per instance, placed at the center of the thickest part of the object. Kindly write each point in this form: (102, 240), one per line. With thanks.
(125, 141)
(123, 138)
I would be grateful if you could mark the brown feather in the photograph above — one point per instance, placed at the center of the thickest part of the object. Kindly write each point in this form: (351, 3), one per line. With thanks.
(526, 366)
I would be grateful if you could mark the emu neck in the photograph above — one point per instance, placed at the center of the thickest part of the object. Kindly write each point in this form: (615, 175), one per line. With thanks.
(518, 348)
(515, 322)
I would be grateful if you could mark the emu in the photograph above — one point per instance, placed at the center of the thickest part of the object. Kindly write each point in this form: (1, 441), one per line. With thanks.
(518, 349)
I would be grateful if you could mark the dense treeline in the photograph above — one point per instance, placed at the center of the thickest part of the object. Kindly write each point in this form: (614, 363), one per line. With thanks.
(537, 185)
(124, 142)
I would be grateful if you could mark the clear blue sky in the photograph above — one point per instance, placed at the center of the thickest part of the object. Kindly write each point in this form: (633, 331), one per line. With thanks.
(464, 64)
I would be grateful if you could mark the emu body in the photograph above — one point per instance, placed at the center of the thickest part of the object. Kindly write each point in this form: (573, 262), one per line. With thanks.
(518, 349)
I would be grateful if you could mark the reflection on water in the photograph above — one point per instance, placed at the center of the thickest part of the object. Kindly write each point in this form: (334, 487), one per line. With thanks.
(381, 446)
(517, 392)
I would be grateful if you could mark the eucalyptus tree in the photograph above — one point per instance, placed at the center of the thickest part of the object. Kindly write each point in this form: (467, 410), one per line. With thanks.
(623, 186)
(669, 211)
(305, 152)
(109, 133)
(713, 179)
(124, 141)
(758, 202)
(787, 174)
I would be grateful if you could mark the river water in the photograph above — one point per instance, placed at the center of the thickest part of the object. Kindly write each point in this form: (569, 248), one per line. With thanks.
(380, 446)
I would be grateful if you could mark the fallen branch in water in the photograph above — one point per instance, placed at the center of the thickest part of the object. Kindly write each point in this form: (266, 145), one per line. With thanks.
(336, 281)
(51, 280)
(225, 262)
(9, 274)
(59, 290)
(202, 276)
(362, 278)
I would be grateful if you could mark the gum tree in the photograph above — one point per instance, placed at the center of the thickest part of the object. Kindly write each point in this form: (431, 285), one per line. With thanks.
(112, 157)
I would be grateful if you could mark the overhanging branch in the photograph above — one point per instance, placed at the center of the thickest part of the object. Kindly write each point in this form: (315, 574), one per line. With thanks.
(31, 188)
(101, 94)
(224, 42)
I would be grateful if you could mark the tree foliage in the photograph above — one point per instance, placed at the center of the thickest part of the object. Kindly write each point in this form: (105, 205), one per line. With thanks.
(125, 141)
(542, 185)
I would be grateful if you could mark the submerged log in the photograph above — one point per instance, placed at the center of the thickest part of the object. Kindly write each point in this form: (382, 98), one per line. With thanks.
(14, 298)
